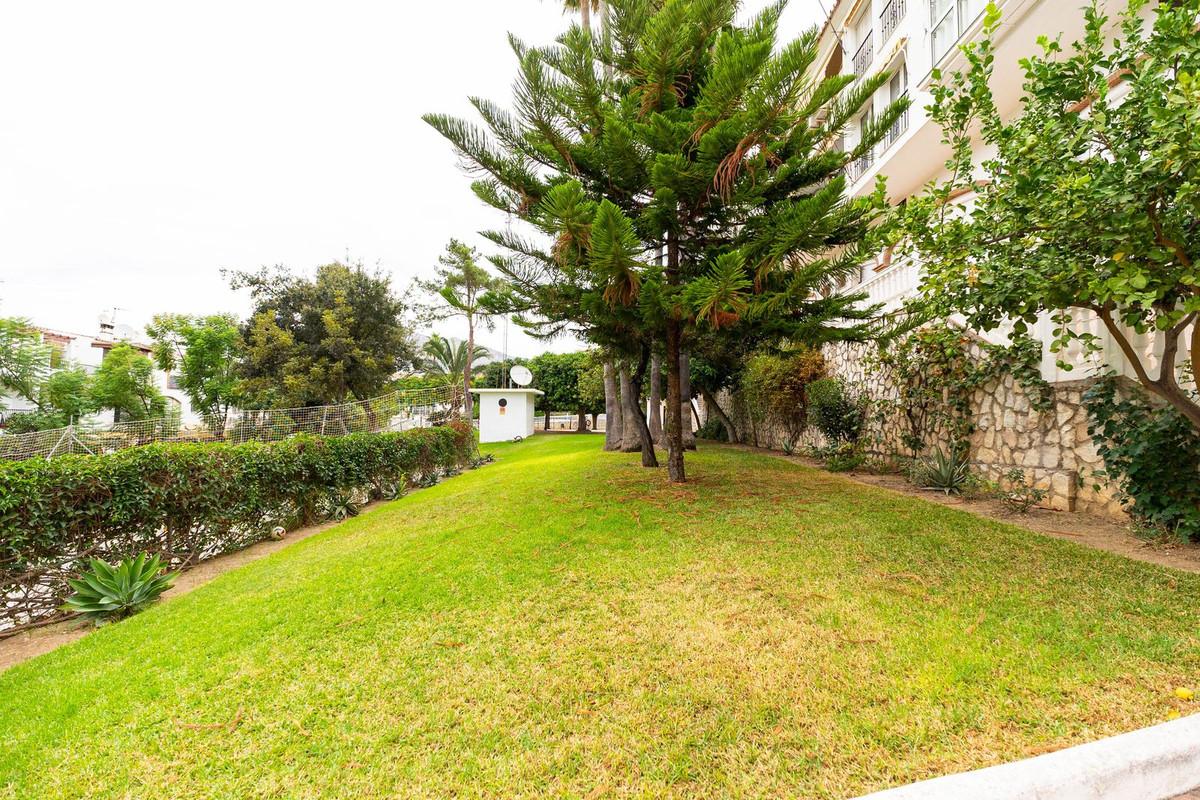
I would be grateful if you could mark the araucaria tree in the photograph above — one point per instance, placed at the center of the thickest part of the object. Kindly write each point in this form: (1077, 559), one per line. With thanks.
(687, 130)
(1091, 203)
(459, 286)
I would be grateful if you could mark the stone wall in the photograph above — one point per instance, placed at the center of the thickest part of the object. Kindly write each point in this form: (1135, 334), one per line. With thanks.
(1052, 447)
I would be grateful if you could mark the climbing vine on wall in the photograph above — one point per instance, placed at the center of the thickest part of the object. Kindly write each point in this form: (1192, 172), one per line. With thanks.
(936, 370)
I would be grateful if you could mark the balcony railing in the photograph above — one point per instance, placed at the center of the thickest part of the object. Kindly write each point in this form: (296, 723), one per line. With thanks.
(889, 18)
(864, 55)
(898, 127)
(856, 168)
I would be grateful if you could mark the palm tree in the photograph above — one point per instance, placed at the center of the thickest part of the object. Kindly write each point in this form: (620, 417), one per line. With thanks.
(447, 358)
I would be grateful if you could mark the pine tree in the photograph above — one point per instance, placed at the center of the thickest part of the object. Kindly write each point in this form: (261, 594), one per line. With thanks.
(689, 131)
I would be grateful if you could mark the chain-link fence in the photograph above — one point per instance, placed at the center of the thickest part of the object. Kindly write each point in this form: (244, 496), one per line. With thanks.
(397, 411)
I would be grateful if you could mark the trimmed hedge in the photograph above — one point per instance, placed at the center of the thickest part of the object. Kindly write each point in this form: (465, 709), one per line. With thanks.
(187, 502)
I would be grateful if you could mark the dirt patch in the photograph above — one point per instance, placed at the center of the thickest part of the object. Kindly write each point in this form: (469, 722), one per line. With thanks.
(37, 641)
(1086, 529)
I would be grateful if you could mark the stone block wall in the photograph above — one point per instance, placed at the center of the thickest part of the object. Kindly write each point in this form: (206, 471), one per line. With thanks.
(1052, 448)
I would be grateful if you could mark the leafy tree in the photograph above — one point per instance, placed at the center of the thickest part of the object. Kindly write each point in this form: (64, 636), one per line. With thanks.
(1090, 204)
(206, 352)
(495, 373)
(447, 359)
(24, 358)
(125, 383)
(313, 341)
(558, 376)
(688, 131)
(461, 286)
(67, 393)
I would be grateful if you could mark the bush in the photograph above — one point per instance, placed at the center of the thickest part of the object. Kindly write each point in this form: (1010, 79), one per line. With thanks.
(187, 502)
(31, 421)
(775, 387)
(713, 430)
(1152, 453)
(835, 411)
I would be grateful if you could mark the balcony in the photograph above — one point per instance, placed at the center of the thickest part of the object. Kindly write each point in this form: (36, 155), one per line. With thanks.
(889, 18)
(864, 55)
(856, 168)
(898, 127)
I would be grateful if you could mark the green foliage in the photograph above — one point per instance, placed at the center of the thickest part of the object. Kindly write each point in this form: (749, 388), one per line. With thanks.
(1091, 203)
(30, 421)
(837, 411)
(125, 383)
(320, 340)
(935, 373)
(24, 359)
(445, 360)
(775, 387)
(109, 592)
(945, 470)
(205, 351)
(1016, 493)
(190, 501)
(558, 375)
(67, 393)
(713, 430)
(1153, 454)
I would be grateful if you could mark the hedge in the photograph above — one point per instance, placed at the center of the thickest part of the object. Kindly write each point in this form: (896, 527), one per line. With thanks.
(186, 502)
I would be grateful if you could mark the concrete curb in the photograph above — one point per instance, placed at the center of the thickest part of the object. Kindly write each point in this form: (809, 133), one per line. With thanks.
(1153, 763)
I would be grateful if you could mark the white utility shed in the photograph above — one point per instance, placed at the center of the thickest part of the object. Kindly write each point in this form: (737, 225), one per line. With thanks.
(505, 414)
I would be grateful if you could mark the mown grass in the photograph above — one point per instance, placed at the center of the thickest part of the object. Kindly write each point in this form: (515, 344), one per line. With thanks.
(565, 623)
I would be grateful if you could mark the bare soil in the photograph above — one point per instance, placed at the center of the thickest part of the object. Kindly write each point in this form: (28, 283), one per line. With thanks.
(31, 643)
(1091, 530)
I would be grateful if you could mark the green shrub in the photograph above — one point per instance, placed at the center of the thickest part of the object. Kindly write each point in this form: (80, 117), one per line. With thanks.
(110, 592)
(187, 501)
(774, 387)
(1151, 452)
(713, 430)
(836, 411)
(32, 421)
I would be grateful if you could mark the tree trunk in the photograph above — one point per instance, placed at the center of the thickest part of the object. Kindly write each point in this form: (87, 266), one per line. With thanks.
(649, 458)
(655, 420)
(595, 420)
(715, 409)
(674, 421)
(585, 14)
(467, 367)
(612, 409)
(546, 424)
(631, 440)
(581, 425)
(685, 395)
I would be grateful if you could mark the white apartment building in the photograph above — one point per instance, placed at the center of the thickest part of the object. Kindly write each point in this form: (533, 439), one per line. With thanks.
(88, 351)
(911, 38)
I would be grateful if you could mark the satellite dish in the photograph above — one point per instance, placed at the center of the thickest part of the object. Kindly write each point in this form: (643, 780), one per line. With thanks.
(521, 375)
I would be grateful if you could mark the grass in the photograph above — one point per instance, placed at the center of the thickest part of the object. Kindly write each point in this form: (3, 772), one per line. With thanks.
(565, 623)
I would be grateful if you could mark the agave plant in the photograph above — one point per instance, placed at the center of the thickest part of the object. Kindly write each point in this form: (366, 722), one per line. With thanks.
(945, 471)
(341, 505)
(109, 592)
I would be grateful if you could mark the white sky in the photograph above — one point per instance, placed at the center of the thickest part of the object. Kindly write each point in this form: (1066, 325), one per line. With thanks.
(144, 146)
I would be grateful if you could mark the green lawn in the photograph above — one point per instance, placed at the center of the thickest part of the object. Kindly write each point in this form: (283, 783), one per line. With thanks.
(565, 623)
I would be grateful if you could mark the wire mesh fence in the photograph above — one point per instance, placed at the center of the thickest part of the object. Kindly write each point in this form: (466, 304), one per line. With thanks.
(396, 411)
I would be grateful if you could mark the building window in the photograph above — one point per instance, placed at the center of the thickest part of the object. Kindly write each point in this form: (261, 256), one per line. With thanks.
(897, 90)
(865, 38)
(949, 19)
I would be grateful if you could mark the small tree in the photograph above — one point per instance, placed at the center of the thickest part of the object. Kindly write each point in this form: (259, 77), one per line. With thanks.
(24, 358)
(67, 393)
(1091, 204)
(557, 375)
(206, 352)
(460, 285)
(125, 383)
(449, 359)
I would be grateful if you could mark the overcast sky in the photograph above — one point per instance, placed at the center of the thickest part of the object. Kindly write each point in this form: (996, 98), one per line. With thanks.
(144, 146)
